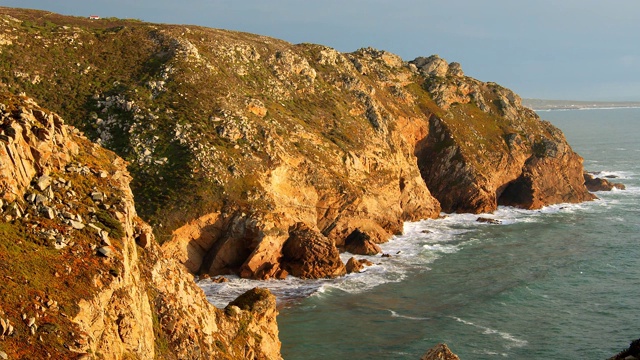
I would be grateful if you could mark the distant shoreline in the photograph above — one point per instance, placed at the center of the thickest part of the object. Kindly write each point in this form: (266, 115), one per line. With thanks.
(550, 105)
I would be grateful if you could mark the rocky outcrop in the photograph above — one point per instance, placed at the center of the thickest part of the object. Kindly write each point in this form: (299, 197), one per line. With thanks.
(97, 282)
(439, 352)
(484, 153)
(309, 255)
(600, 184)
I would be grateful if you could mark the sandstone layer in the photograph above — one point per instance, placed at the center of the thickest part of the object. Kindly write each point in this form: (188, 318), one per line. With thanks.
(82, 276)
(235, 140)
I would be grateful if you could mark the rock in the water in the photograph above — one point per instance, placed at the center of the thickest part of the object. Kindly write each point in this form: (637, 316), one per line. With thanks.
(439, 352)
(353, 265)
(360, 243)
(310, 255)
(600, 184)
(488, 220)
(632, 353)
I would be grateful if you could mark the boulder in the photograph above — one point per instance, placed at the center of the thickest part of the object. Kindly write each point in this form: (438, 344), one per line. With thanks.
(310, 255)
(440, 352)
(360, 243)
(433, 65)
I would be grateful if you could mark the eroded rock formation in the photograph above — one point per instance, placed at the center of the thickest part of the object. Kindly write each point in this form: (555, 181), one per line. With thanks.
(97, 282)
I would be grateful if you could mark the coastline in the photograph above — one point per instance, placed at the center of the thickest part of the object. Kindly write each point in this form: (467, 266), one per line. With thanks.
(560, 105)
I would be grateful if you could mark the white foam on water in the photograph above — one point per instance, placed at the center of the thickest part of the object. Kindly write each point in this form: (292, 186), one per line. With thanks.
(612, 175)
(395, 314)
(514, 341)
(446, 249)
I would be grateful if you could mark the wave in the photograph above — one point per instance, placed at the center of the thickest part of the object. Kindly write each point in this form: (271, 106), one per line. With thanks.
(395, 314)
(514, 341)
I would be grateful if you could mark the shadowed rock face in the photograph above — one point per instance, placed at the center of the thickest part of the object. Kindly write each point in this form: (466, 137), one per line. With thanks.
(233, 138)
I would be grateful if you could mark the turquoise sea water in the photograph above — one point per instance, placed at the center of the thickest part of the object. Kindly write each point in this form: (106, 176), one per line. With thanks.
(559, 283)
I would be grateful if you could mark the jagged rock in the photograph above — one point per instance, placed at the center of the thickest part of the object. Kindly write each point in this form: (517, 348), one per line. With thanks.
(432, 65)
(440, 352)
(310, 255)
(3, 355)
(600, 184)
(360, 243)
(43, 182)
(455, 69)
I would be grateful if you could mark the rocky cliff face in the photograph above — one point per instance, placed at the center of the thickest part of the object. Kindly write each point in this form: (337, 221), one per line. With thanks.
(82, 274)
(278, 142)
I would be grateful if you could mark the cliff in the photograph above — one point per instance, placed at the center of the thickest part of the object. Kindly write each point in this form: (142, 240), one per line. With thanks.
(82, 276)
(254, 156)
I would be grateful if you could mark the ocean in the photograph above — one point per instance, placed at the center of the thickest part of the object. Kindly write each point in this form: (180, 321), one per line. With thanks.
(562, 282)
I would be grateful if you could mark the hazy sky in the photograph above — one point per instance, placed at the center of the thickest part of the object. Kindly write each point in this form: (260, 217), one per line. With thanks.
(553, 49)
